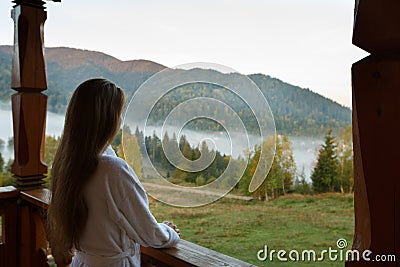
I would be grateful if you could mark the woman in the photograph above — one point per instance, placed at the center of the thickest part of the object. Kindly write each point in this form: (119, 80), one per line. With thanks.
(98, 206)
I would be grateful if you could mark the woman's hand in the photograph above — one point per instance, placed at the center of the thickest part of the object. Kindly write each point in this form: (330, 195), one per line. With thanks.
(173, 226)
(62, 258)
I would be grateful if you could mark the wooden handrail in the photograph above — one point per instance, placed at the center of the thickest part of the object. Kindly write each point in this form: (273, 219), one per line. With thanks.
(190, 254)
(29, 223)
(37, 197)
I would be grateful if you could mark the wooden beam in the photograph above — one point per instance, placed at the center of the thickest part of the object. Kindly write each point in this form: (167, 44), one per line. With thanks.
(376, 110)
(376, 25)
(29, 104)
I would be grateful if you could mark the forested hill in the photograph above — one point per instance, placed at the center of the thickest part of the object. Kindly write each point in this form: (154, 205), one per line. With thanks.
(296, 111)
(300, 111)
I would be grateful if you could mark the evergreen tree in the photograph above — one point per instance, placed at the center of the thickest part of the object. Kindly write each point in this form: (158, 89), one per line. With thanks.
(301, 185)
(324, 176)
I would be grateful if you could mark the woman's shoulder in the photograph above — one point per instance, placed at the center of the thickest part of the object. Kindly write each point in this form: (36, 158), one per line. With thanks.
(112, 161)
(117, 168)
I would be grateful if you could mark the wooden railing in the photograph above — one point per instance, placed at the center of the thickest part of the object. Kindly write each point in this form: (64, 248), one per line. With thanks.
(23, 239)
(23, 214)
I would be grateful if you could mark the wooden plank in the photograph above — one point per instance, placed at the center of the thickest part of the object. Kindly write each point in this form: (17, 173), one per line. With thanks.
(376, 94)
(26, 237)
(8, 250)
(190, 254)
(160, 257)
(376, 24)
(362, 219)
(39, 197)
(8, 192)
(29, 105)
(28, 64)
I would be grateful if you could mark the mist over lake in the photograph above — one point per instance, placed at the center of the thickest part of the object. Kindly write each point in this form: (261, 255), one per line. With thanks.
(54, 127)
(304, 148)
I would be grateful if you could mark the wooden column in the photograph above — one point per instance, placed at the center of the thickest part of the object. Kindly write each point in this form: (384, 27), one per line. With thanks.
(376, 130)
(29, 104)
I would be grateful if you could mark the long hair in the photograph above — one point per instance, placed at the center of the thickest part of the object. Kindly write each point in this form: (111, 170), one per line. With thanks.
(91, 122)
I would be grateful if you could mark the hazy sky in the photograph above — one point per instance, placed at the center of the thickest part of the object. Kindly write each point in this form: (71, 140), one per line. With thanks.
(303, 42)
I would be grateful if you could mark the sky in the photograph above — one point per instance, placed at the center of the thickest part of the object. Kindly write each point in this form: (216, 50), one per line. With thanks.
(303, 42)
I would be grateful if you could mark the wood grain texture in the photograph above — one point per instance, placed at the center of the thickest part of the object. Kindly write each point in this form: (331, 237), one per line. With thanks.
(29, 121)
(376, 25)
(376, 110)
(9, 213)
(376, 92)
(190, 254)
(28, 64)
(38, 197)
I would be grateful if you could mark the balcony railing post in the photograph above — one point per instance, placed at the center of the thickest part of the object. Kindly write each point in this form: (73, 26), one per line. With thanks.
(32, 236)
(29, 104)
(376, 95)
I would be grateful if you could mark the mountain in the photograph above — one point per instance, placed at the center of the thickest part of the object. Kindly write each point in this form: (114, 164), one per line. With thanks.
(296, 111)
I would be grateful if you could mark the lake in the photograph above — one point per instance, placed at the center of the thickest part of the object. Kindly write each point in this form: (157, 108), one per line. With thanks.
(54, 126)
(304, 148)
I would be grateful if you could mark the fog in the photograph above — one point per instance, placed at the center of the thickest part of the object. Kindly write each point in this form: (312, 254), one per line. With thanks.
(304, 148)
(54, 126)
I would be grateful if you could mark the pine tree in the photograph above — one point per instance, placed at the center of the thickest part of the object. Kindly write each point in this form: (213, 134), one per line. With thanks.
(301, 185)
(324, 176)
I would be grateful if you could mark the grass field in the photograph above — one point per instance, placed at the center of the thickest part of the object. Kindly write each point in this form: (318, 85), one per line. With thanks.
(240, 229)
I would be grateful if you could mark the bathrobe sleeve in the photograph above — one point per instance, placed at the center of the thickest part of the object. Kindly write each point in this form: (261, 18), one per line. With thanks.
(134, 215)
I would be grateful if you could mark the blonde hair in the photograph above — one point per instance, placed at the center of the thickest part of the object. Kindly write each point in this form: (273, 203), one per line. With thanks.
(92, 121)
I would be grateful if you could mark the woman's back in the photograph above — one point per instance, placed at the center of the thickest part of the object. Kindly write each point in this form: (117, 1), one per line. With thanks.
(98, 205)
(118, 218)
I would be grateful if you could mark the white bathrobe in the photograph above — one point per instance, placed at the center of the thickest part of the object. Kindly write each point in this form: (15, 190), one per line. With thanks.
(119, 220)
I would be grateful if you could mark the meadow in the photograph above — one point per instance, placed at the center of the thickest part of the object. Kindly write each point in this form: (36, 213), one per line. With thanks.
(292, 222)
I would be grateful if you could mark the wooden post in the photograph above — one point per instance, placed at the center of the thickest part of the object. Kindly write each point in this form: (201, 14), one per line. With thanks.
(29, 104)
(8, 214)
(376, 128)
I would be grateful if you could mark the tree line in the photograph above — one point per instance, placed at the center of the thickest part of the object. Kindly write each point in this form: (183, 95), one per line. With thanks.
(333, 170)
(155, 149)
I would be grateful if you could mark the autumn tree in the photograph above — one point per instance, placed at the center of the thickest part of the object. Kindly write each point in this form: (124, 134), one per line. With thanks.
(1, 169)
(345, 160)
(51, 145)
(131, 153)
(286, 162)
(1, 164)
(281, 174)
